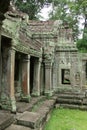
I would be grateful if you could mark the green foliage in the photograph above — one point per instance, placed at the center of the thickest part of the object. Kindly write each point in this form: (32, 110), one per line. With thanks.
(67, 119)
(69, 11)
(31, 7)
(82, 43)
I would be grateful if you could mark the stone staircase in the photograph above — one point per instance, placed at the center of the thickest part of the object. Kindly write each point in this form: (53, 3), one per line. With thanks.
(33, 115)
(74, 100)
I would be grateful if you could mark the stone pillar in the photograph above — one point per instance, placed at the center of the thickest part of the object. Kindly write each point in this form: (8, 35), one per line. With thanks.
(26, 78)
(48, 79)
(11, 78)
(36, 82)
(42, 83)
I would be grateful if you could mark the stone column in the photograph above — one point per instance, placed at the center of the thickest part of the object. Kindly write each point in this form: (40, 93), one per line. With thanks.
(10, 79)
(26, 78)
(42, 83)
(48, 79)
(36, 82)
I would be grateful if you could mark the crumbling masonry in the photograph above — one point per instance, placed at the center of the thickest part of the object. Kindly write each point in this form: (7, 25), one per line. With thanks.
(38, 58)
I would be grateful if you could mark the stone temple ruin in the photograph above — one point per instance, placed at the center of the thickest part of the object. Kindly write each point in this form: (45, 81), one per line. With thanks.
(38, 58)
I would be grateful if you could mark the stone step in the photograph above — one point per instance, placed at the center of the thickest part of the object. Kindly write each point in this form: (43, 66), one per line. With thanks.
(72, 92)
(81, 107)
(17, 127)
(29, 119)
(69, 101)
(69, 90)
(22, 106)
(72, 96)
(67, 106)
(6, 119)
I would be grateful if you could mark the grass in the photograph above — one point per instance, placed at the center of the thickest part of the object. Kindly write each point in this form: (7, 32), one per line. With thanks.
(67, 119)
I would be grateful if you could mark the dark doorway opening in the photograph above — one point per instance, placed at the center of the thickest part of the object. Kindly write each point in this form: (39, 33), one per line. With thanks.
(17, 77)
(65, 76)
(32, 61)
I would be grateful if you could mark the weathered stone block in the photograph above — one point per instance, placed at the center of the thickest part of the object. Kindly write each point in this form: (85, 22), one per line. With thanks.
(29, 119)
